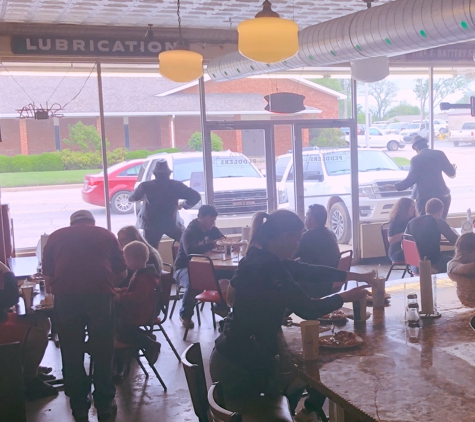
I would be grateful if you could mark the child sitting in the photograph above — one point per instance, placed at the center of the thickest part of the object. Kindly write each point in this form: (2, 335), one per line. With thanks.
(464, 259)
(136, 303)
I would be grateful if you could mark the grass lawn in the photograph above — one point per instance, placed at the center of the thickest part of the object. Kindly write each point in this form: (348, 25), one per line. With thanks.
(400, 161)
(39, 178)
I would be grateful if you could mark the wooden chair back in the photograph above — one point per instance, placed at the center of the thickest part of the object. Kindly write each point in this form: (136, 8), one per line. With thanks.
(192, 361)
(218, 412)
(345, 260)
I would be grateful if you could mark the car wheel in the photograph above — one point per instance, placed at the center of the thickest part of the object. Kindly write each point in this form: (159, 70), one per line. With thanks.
(340, 222)
(393, 146)
(456, 144)
(120, 203)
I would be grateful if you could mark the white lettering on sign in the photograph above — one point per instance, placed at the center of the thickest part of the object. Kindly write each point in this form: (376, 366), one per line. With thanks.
(44, 46)
(61, 45)
(79, 45)
(142, 46)
(131, 45)
(154, 47)
(327, 158)
(29, 46)
(103, 45)
(230, 162)
(91, 45)
(170, 46)
(118, 46)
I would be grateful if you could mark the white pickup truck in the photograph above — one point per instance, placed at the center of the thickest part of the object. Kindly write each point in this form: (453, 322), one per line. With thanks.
(377, 139)
(466, 135)
(327, 182)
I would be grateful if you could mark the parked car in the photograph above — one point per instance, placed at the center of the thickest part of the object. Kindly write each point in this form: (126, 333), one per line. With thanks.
(377, 139)
(380, 126)
(395, 128)
(441, 126)
(327, 182)
(466, 135)
(240, 189)
(122, 178)
(413, 129)
(360, 130)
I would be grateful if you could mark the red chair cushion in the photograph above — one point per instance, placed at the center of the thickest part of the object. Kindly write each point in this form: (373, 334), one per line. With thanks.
(209, 296)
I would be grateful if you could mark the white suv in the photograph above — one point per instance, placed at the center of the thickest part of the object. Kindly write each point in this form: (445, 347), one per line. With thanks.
(327, 182)
(239, 187)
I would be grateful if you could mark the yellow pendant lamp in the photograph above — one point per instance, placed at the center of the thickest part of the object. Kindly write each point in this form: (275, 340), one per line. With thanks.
(268, 38)
(180, 64)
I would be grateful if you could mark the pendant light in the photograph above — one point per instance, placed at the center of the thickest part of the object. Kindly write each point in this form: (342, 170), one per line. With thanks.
(180, 64)
(268, 38)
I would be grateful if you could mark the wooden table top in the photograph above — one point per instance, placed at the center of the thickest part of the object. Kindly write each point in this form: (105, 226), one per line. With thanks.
(229, 264)
(400, 374)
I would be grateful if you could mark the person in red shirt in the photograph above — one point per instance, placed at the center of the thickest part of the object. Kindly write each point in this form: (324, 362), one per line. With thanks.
(136, 303)
(82, 263)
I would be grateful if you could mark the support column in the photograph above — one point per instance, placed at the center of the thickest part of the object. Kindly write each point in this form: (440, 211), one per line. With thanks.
(57, 137)
(206, 139)
(431, 107)
(126, 133)
(23, 137)
(355, 199)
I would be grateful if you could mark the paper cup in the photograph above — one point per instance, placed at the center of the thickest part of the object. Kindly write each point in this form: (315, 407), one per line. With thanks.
(378, 290)
(310, 331)
(359, 309)
(27, 295)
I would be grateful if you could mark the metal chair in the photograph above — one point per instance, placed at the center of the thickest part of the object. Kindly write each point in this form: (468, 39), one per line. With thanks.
(396, 266)
(178, 292)
(345, 260)
(411, 253)
(219, 413)
(203, 279)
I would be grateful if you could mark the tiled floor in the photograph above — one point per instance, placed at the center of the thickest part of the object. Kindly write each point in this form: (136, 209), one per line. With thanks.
(140, 399)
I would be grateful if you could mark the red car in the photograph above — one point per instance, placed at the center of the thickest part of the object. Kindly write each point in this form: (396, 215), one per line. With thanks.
(122, 178)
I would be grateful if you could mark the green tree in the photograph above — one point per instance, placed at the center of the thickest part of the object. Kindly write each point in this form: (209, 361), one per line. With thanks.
(442, 88)
(466, 97)
(338, 85)
(330, 137)
(384, 92)
(85, 137)
(196, 144)
(403, 109)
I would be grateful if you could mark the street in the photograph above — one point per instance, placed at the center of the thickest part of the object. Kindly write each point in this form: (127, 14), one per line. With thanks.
(42, 210)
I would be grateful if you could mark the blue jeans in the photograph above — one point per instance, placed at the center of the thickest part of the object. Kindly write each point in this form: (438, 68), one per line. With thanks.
(182, 278)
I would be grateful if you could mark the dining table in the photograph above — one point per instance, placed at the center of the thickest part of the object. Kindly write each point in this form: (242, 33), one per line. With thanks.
(399, 373)
(225, 263)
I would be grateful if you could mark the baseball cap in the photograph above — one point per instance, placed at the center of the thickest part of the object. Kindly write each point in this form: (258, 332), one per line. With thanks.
(82, 215)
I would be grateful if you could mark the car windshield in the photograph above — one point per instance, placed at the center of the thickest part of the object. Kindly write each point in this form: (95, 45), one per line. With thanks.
(280, 166)
(413, 126)
(394, 126)
(223, 167)
(339, 162)
(113, 168)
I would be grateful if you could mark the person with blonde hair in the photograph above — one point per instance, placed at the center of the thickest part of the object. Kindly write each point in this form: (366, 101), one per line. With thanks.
(403, 211)
(266, 284)
(130, 234)
(464, 258)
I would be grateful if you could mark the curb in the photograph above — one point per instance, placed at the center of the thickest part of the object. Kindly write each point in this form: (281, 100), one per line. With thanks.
(42, 187)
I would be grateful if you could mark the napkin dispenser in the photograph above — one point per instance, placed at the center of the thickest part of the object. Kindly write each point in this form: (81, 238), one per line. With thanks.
(467, 226)
(40, 247)
(427, 296)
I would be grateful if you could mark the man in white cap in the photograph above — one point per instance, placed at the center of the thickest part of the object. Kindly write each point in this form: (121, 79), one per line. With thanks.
(426, 174)
(160, 204)
(82, 263)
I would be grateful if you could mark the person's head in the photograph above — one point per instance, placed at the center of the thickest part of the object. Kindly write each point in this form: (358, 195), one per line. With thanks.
(136, 255)
(419, 143)
(207, 215)
(82, 217)
(435, 207)
(128, 234)
(465, 248)
(316, 216)
(278, 232)
(403, 209)
(161, 170)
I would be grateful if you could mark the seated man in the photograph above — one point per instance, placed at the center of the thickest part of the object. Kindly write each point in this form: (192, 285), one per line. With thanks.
(136, 303)
(199, 237)
(427, 230)
(318, 245)
(30, 332)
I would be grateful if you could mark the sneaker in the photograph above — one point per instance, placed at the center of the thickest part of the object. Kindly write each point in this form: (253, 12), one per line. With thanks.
(38, 389)
(306, 416)
(151, 352)
(187, 323)
(104, 415)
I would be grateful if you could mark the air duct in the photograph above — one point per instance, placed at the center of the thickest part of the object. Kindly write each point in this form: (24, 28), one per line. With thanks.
(392, 29)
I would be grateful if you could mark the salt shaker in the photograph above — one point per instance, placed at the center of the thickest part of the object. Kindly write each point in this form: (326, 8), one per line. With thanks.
(413, 315)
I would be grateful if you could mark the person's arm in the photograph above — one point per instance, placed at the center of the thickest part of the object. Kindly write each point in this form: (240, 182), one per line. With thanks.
(48, 264)
(305, 247)
(396, 238)
(409, 181)
(144, 289)
(190, 196)
(8, 288)
(191, 244)
(137, 194)
(215, 234)
(447, 167)
(455, 267)
(447, 231)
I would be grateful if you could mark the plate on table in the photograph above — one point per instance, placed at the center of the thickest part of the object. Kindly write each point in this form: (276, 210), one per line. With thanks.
(42, 307)
(230, 242)
(341, 340)
(335, 316)
(387, 296)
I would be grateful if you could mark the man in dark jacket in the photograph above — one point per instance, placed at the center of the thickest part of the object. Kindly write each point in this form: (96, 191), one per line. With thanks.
(426, 174)
(160, 204)
(199, 237)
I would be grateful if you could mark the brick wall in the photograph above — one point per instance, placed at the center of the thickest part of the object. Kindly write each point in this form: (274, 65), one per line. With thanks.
(10, 144)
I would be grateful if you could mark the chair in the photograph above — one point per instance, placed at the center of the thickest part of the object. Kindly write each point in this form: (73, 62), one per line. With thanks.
(345, 260)
(411, 253)
(162, 307)
(396, 266)
(203, 278)
(263, 409)
(178, 293)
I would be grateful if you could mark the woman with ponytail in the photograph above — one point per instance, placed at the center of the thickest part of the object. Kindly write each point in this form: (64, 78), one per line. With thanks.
(266, 284)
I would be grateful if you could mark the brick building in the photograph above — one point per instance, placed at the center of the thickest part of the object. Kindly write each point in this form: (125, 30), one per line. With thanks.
(149, 112)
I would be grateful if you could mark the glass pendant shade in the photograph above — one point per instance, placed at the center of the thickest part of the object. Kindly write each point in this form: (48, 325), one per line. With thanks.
(180, 65)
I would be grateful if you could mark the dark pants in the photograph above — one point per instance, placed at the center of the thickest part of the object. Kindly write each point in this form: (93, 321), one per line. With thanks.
(421, 205)
(153, 236)
(74, 314)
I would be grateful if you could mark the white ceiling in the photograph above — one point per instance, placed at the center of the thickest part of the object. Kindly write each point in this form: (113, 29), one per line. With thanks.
(195, 13)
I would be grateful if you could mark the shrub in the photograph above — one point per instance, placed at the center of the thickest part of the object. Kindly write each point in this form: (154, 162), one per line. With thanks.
(330, 137)
(48, 161)
(85, 137)
(75, 160)
(116, 156)
(196, 144)
(5, 164)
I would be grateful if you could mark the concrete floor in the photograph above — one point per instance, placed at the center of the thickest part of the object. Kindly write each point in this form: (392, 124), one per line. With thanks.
(140, 399)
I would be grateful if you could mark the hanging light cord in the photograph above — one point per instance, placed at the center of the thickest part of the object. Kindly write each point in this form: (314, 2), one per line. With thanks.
(179, 19)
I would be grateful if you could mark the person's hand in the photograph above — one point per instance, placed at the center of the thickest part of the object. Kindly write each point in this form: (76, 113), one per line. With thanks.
(388, 187)
(354, 295)
(454, 166)
(368, 277)
(180, 205)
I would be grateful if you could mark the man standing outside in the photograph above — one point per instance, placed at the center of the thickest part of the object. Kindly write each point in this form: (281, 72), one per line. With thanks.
(160, 204)
(426, 174)
(199, 237)
(81, 264)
